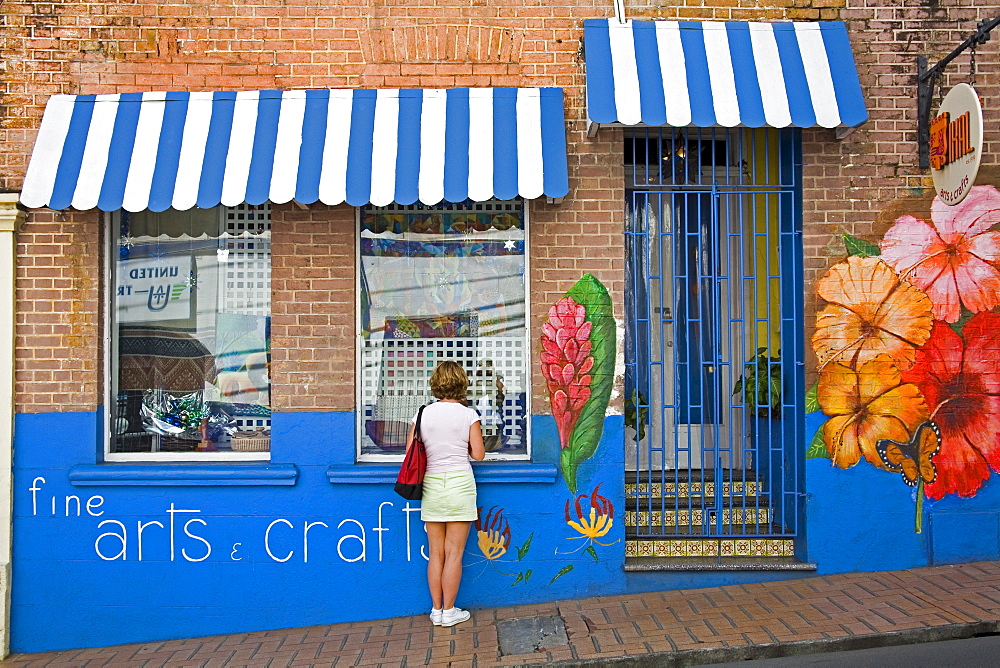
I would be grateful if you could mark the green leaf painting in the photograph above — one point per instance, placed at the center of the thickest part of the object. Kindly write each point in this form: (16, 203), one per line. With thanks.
(860, 247)
(592, 552)
(812, 399)
(817, 448)
(562, 571)
(578, 360)
(523, 550)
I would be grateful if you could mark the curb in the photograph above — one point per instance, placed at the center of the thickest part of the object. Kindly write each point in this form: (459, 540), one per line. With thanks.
(700, 657)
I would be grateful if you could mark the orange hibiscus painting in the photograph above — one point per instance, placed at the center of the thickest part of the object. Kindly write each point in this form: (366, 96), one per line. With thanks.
(870, 312)
(953, 258)
(867, 405)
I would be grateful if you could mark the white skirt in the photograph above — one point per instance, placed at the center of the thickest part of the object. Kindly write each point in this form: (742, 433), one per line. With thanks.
(449, 497)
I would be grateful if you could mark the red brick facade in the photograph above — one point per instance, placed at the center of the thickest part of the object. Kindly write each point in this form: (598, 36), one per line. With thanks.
(850, 185)
(58, 334)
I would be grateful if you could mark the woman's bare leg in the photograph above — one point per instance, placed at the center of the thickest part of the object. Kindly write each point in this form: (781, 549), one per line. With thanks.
(455, 536)
(436, 560)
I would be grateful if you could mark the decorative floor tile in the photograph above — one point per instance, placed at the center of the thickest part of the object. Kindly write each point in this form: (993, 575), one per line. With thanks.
(695, 517)
(711, 547)
(689, 489)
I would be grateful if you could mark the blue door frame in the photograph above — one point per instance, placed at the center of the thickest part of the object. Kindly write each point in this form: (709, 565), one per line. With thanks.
(714, 313)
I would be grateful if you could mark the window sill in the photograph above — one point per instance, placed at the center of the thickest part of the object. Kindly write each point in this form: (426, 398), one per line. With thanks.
(183, 475)
(488, 472)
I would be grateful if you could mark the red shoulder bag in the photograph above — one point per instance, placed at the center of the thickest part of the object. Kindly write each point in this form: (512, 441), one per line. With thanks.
(410, 481)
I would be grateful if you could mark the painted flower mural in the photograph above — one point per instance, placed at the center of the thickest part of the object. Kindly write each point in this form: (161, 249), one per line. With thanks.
(493, 537)
(592, 516)
(596, 520)
(959, 375)
(577, 361)
(866, 405)
(578, 351)
(566, 363)
(909, 350)
(869, 312)
(953, 257)
(493, 533)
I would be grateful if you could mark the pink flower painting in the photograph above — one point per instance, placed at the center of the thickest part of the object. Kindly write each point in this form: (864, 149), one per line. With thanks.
(566, 362)
(953, 258)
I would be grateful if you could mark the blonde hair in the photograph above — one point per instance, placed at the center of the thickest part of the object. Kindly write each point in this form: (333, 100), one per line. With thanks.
(449, 381)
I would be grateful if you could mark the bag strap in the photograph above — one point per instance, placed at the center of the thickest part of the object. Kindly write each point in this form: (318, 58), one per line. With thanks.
(416, 426)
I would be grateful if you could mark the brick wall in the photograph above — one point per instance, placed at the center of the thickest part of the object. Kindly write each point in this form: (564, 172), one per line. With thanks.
(58, 334)
(85, 47)
(860, 185)
(312, 321)
(735, 10)
(851, 185)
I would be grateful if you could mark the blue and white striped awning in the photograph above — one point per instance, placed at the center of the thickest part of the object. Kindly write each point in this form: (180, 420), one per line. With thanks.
(708, 73)
(160, 150)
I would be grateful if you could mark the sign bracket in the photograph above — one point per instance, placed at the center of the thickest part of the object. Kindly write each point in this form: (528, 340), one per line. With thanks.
(927, 77)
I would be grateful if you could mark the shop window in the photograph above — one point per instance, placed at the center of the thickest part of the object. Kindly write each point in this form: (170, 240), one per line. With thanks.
(435, 284)
(191, 343)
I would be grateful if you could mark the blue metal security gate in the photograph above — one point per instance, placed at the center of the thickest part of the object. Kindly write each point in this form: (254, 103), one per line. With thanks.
(714, 358)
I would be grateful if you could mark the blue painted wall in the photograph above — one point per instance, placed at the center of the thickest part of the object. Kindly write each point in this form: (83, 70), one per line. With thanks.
(65, 595)
(863, 519)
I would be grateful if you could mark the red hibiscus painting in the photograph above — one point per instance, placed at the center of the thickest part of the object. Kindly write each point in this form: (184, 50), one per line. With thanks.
(947, 350)
(959, 377)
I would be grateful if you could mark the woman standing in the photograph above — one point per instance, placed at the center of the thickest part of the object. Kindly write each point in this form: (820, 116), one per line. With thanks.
(451, 434)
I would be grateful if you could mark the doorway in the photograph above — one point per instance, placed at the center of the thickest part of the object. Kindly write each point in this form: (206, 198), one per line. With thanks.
(714, 372)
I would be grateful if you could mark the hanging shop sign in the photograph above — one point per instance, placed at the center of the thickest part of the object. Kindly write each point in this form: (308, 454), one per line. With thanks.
(956, 144)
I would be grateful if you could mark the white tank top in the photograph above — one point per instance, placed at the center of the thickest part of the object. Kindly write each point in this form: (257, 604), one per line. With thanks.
(445, 431)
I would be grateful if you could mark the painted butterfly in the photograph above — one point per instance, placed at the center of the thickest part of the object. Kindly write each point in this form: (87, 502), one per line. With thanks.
(914, 460)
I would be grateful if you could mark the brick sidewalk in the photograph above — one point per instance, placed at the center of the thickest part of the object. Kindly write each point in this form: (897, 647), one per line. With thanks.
(741, 620)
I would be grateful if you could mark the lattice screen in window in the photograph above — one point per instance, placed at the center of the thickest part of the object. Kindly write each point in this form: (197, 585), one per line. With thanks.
(396, 366)
(395, 382)
(246, 282)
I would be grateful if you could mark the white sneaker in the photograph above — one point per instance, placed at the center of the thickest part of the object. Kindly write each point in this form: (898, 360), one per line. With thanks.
(454, 616)
(435, 616)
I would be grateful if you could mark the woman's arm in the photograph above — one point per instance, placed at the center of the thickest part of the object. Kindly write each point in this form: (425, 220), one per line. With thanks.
(409, 437)
(476, 448)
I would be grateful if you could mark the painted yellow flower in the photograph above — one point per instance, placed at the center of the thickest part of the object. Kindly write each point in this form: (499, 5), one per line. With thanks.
(493, 533)
(870, 312)
(867, 405)
(597, 521)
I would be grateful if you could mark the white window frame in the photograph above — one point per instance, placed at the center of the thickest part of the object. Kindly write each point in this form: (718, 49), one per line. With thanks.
(111, 225)
(360, 345)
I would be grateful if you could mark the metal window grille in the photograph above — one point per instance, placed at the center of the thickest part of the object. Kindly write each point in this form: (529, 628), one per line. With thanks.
(714, 372)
